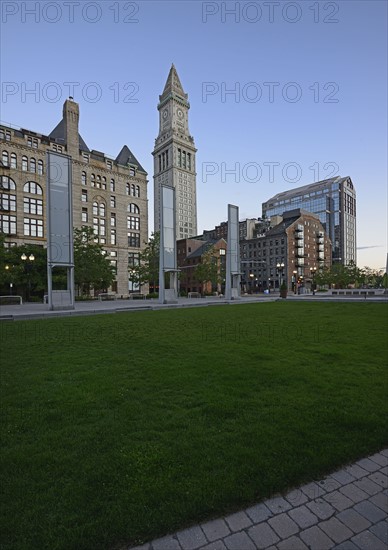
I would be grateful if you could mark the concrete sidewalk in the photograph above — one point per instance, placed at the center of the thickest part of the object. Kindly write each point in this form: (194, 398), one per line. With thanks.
(346, 510)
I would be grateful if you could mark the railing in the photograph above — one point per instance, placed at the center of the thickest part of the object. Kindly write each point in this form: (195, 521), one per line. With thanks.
(136, 296)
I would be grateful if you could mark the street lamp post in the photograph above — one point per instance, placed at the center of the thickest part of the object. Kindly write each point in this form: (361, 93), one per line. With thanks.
(295, 279)
(27, 268)
(313, 271)
(251, 277)
(279, 269)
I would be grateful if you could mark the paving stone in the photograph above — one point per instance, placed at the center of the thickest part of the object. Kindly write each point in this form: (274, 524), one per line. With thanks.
(356, 471)
(293, 543)
(384, 452)
(369, 511)
(278, 505)
(303, 517)
(191, 538)
(335, 530)
(296, 497)
(217, 545)
(262, 535)
(368, 464)
(258, 513)
(381, 531)
(347, 545)
(143, 547)
(380, 479)
(368, 486)
(380, 500)
(321, 508)
(343, 477)
(316, 539)
(313, 490)
(384, 470)
(338, 500)
(237, 541)
(353, 520)
(238, 521)
(380, 459)
(329, 484)
(166, 543)
(216, 529)
(368, 541)
(283, 525)
(354, 493)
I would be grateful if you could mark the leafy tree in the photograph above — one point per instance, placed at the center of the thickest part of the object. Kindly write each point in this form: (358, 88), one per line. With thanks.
(91, 268)
(147, 271)
(210, 270)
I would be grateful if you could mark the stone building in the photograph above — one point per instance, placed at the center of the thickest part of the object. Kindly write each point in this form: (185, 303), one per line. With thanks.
(175, 157)
(109, 194)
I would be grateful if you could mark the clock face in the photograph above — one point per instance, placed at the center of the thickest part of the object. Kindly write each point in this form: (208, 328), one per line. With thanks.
(165, 114)
(180, 113)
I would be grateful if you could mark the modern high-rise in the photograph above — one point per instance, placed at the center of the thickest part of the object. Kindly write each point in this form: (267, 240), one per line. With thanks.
(174, 157)
(334, 202)
(109, 195)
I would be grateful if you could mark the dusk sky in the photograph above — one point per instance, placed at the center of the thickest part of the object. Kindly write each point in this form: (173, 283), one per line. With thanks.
(309, 99)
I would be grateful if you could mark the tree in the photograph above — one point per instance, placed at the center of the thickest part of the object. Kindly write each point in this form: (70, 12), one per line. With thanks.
(91, 267)
(210, 270)
(147, 270)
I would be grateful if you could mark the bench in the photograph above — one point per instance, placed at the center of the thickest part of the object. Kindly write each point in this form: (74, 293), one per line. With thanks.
(136, 296)
(107, 295)
(194, 295)
(12, 297)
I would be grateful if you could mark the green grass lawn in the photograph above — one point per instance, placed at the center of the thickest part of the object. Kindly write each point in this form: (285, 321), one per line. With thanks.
(120, 428)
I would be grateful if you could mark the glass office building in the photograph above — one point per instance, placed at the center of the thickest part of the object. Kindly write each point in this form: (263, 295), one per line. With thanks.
(334, 202)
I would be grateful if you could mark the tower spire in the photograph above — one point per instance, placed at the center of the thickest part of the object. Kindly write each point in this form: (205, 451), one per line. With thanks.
(173, 85)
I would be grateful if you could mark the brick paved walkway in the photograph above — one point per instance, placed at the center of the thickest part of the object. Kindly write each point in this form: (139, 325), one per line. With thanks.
(346, 510)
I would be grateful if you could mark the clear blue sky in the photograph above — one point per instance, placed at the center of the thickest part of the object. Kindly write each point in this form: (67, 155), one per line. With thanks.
(335, 53)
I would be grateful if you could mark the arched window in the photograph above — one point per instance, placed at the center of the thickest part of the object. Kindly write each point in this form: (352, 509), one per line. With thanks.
(133, 190)
(7, 184)
(133, 208)
(95, 208)
(128, 189)
(33, 188)
(5, 158)
(83, 178)
(40, 167)
(102, 209)
(32, 165)
(93, 180)
(24, 164)
(137, 191)
(112, 185)
(98, 182)
(103, 182)
(14, 160)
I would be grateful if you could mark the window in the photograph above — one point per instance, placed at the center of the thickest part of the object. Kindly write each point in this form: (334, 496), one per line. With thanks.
(132, 171)
(98, 182)
(33, 188)
(33, 227)
(24, 164)
(32, 165)
(85, 156)
(5, 158)
(133, 208)
(83, 178)
(33, 206)
(14, 162)
(109, 164)
(35, 143)
(29, 141)
(40, 167)
(84, 215)
(93, 180)
(5, 134)
(134, 240)
(102, 209)
(189, 161)
(113, 263)
(8, 224)
(133, 223)
(95, 208)
(84, 196)
(133, 190)
(112, 185)
(7, 202)
(133, 259)
(103, 184)
(113, 220)
(137, 191)
(7, 184)
(128, 189)
(112, 201)
(113, 236)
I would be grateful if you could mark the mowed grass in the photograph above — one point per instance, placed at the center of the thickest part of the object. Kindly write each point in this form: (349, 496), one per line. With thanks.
(120, 428)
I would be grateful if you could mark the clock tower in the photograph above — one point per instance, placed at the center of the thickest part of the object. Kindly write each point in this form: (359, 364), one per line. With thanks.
(174, 157)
